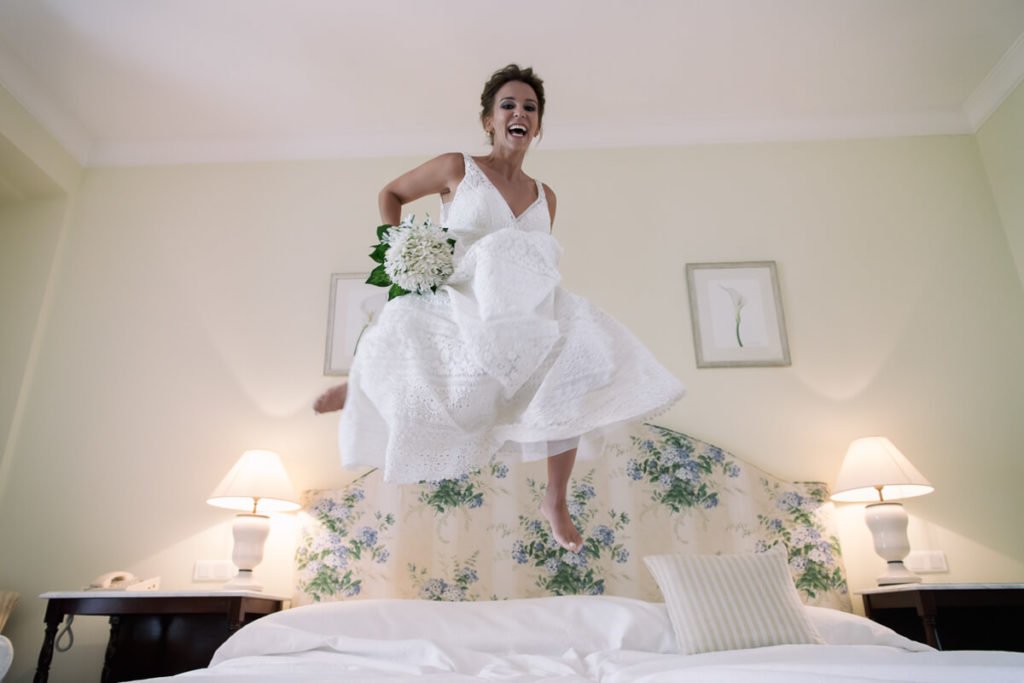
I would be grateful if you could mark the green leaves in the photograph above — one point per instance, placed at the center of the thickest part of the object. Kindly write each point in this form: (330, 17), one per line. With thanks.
(448, 494)
(379, 277)
(382, 230)
(379, 252)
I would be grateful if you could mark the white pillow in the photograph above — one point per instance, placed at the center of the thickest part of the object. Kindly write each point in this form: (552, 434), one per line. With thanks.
(731, 602)
(843, 628)
(544, 626)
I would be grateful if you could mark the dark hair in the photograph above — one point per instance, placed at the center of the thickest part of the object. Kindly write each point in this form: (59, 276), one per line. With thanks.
(509, 74)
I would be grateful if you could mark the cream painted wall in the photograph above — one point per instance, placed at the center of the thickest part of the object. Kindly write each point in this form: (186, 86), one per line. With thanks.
(189, 316)
(32, 140)
(1001, 141)
(38, 179)
(29, 232)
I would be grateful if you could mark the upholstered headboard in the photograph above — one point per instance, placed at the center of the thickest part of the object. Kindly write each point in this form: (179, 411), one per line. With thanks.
(653, 491)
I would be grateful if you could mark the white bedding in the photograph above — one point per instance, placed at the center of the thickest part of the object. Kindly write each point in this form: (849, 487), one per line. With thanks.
(6, 655)
(613, 640)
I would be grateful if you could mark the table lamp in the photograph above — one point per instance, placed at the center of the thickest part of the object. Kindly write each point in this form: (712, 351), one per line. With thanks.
(875, 470)
(258, 484)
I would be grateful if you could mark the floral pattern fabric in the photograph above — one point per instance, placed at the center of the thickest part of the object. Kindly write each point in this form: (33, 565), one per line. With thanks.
(482, 536)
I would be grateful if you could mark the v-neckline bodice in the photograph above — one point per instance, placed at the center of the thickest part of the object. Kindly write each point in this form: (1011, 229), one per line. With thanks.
(535, 202)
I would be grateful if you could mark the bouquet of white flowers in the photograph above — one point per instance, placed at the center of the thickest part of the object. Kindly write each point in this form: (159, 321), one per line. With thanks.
(411, 257)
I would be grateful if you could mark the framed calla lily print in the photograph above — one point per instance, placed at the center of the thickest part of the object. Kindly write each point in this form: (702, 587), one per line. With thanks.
(736, 310)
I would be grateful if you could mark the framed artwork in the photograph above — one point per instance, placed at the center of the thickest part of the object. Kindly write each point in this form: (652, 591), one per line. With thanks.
(736, 312)
(353, 306)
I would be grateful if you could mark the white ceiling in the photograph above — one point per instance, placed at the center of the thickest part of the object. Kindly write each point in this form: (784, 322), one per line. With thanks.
(167, 81)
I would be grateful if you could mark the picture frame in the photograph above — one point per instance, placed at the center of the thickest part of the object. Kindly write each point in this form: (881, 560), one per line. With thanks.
(736, 314)
(354, 305)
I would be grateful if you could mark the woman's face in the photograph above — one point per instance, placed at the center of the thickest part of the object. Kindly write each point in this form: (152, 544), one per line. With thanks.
(515, 119)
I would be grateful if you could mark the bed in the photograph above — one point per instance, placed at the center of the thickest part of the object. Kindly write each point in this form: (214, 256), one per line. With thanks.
(697, 566)
(569, 638)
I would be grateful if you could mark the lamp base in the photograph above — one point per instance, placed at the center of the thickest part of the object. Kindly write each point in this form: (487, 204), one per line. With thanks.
(896, 573)
(888, 523)
(250, 531)
(243, 581)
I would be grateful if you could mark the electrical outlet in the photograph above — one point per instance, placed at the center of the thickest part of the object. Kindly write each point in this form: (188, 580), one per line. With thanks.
(927, 562)
(213, 570)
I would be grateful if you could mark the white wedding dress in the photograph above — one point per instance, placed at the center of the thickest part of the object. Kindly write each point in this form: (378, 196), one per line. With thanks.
(500, 360)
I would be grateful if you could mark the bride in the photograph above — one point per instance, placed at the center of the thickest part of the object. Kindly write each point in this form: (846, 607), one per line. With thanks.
(500, 361)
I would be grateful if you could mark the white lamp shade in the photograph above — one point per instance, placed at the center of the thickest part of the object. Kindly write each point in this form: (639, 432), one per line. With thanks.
(257, 483)
(873, 462)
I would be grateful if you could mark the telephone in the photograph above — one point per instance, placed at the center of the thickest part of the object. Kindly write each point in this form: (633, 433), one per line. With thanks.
(123, 581)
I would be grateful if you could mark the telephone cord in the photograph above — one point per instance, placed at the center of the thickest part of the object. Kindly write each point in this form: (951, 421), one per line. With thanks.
(66, 631)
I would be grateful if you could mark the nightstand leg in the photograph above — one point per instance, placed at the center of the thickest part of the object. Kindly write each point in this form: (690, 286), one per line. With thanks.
(931, 631)
(108, 658)
(928, 610)
(46, 651)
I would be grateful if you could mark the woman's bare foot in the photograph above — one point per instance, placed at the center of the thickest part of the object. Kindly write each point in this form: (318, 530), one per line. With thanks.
(562, 528)
(331, 400)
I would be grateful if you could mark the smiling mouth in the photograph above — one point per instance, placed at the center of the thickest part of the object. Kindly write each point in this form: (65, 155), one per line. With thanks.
(517, 131)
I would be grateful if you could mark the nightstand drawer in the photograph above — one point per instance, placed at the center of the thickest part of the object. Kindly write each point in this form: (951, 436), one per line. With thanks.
(952, 616)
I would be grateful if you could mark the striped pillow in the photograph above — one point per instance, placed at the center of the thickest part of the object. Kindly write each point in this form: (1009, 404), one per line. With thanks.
(731, 602)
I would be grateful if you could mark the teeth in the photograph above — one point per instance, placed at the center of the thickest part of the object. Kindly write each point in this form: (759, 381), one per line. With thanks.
(517, 129)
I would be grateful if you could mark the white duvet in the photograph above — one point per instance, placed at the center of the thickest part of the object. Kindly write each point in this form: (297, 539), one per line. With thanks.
(613, 640)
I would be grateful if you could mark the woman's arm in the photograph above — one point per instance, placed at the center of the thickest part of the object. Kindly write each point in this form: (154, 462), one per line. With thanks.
(441, 175)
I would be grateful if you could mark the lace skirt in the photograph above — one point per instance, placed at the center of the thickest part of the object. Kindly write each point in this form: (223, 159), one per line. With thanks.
(501, 361)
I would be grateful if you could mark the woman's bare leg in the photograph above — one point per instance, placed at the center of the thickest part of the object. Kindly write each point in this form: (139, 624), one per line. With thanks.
(331, 400)
(555, 506)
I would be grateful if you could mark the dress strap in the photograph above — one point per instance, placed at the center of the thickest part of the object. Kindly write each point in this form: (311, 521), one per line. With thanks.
(471, 169)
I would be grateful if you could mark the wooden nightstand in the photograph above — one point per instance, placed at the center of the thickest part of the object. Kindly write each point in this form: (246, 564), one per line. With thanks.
(156, 633)
(952, 616)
